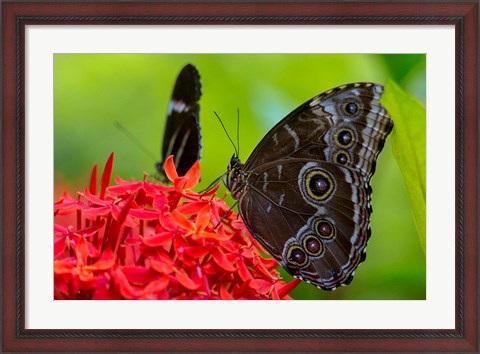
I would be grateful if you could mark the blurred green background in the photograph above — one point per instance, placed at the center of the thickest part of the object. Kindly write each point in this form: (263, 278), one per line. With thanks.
(93, 91)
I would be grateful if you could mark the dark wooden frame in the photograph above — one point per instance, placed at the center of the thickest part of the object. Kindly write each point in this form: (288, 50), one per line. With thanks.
(463, 15)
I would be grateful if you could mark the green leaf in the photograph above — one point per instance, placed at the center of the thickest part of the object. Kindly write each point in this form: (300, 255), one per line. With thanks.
(409, 148)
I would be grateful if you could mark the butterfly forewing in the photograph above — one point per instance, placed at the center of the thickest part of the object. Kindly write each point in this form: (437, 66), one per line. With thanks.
(305, 192)
(320, 128)
(182, 131)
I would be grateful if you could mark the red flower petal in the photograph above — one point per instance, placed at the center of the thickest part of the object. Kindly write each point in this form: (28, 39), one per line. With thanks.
(160, 201)
(270, 263)
(243, 270)
(92, 250)
(211, 236)
(92, 198)
(211, 191)
(261, 286)
(180, 184)
(93, 180)
(138, 275)
(123, 220)
(197, 251)
(170, 170)
(199, 277)
(212, 268)
(182, 221)
(81, 250)
(144, 214)
(287, 288)
(92, 229)
(166, 220)
(262, 269)
(247, 253)
(163, 256)
(222, 260)
(125, 188)
(61, 267)
(106, 261)
(185, 280)
(59, 246)
(155, 287)
(65, 202)
(60, 230)
(103, 290)
(192, 208)
(127, 290)
(86, 277)
(161, 267)
(152, 189)
(65, 198)
(98, 211)
(193, 176)
(107, 173)
(243, 291)
(158, 239)
(225, 295)
(121, 210)
(203, 218)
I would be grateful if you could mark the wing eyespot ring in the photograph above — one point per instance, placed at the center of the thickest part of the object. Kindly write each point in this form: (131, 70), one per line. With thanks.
(312, 245)
(341, 157)
(324, 229)
(350, 108)
(344, 137)
(296, 256)
(318, 184)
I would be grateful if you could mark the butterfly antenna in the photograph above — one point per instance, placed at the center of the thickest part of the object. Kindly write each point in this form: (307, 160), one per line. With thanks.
(226, 132)
(213, 184)
(135, 140)
(225, 215)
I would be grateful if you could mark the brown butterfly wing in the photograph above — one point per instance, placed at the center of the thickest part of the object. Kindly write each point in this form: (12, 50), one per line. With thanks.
(314, 129)
(279, 212)
(306, 195)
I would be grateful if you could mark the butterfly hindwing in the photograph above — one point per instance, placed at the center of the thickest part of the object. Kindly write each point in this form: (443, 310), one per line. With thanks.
(279, 219)
(305, 192)
(182, 136)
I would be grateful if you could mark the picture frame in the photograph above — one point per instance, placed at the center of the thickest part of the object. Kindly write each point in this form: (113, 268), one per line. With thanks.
(17, 15)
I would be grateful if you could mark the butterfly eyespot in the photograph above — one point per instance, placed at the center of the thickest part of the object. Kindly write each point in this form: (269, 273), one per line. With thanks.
(296, 256)
(312, 245)
(344, 137)
(341, 157)
(350, 108)
(324, 229)
(319, 185)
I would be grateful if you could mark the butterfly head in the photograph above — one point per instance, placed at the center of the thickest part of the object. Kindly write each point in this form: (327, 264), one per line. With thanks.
(235, 180)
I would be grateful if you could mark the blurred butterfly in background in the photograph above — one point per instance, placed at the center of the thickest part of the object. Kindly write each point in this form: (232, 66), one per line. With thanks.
(182, 136)
(304, 193)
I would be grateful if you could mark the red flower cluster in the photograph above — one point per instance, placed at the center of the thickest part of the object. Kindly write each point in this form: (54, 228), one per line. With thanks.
(144, 240)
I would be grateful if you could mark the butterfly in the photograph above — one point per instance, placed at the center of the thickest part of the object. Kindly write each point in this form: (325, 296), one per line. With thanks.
(304, 193)
(182, 137)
